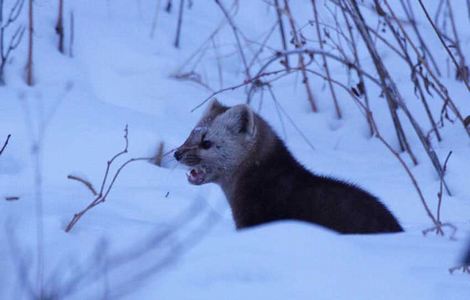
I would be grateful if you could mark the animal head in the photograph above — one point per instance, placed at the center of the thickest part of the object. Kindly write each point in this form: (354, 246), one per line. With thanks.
(220, 142)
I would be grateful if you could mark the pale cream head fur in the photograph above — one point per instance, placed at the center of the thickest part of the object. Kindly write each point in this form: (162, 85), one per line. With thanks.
(219, 144)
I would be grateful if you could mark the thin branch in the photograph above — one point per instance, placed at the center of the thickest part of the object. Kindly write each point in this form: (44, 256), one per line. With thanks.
(201, 48)
(179, 25)
(454, 60)
(14, 41)
(464, 268)
(388, 86)
(14, 13)
(105, 190)
(155, 18)
(219, 64)
(325, 62)
(282, 32)
(408, 9)
(29, 64)
(110, 162)
(85, 182)
(463, 73)
(5, 144)
(157, 160)
(441, 90)
(255, 81)
(362, 84)
(439, 194)
(414, 68)
(439, 229)
(72, 33)
(59, 27)
(298, 44)
(262, 45)
(281, 109)
(312, 52)
(193, 77)
(237, 38)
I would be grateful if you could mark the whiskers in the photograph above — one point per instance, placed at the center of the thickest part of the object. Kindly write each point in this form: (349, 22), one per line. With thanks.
(168, 161)
(170, 152)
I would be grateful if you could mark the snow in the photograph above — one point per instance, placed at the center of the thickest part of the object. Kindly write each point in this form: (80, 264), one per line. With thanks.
(78, 109)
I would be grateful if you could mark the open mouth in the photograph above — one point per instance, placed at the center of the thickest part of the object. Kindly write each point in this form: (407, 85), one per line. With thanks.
(196, 175)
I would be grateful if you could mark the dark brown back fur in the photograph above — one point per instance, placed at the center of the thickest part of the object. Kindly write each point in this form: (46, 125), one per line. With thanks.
(274, 186)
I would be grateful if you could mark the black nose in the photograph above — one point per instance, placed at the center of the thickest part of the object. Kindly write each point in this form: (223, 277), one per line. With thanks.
(178, 154)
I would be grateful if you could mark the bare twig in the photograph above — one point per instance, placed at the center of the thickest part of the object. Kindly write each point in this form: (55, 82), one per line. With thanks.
(85, 182)
(325, 62)
(463, 268)
(7, 48)
(312, 52)
(201, 48)
(463, 72)
(466, 122)
(282, 32)
(159, 156)
(169, 6)
(439, 229)
(388, 86)
(5, 144)
(155, 18)
(439, 194)
(14, 12)
(361, 86)
(256, 82)
(219, 64)
(262, 46)
(29, 64)
(59, 27)
(433, 82)
(298, 44)
(392, 93)
(439, 35)
(106, 189)
(281, 109)
(408, 9)
(193, 77)
(72, 33)
(414, 68)
(237, 38)
(178, 27)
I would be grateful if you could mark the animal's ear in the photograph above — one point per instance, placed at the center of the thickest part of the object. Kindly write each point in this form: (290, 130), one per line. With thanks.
(240, 119)
(214, 109)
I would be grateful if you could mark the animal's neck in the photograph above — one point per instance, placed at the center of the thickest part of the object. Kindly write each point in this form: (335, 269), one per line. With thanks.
(262, 190)
(262, 144)
(269, 156)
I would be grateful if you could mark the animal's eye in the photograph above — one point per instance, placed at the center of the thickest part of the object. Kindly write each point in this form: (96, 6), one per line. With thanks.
(206, 144)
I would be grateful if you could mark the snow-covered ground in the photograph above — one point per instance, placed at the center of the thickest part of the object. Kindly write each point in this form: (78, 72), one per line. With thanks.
(156, 236)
